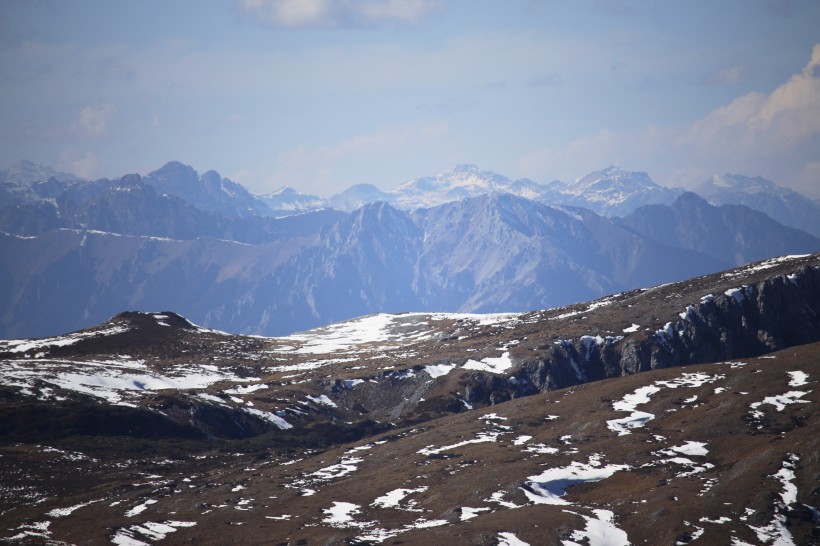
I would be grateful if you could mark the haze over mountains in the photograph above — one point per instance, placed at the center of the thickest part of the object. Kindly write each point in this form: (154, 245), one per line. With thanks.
(466, 240)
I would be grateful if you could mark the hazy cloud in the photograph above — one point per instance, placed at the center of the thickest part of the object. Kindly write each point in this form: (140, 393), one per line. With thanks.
(294, 14)
(83, 164)
(94, 119)
(316, 169)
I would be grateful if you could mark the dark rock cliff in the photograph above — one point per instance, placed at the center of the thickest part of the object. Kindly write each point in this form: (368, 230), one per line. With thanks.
(748, 321)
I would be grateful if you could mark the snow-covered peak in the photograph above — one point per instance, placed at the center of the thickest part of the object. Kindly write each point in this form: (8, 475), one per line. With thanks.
(612, 192)
(468, 176)
(460, 182)
(610, 179)
(281, 192)
(737, 183)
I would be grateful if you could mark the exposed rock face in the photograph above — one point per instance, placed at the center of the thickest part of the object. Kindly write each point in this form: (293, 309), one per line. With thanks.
(749, 321)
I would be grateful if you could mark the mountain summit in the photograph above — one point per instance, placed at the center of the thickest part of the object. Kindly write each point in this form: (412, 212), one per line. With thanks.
(784, 205)
(614, 192)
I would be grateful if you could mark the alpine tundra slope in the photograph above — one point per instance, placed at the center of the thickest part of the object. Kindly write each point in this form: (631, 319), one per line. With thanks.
(531, 428)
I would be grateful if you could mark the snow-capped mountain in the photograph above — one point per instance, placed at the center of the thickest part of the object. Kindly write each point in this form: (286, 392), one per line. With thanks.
(430, 428)
(29, 172)
(286, 201)
(783, 204)
(612, 192)
(358, 196)
(461, 182)
(28, 182)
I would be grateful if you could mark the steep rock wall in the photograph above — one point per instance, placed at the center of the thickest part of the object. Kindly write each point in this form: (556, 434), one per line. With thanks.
(748, 321)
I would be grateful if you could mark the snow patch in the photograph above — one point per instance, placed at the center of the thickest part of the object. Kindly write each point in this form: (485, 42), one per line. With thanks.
(600, 530)
(439, 370)
(509, 539)
(549, 486)
(392, 498)
(323, 400)
(798, 378)
(496, 365)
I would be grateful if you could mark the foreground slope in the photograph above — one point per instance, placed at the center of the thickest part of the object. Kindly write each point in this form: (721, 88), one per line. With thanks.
(380, 429)
(709, 454)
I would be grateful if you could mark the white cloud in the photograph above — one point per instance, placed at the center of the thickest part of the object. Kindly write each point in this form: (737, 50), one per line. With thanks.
(336, 13)
(776, 135)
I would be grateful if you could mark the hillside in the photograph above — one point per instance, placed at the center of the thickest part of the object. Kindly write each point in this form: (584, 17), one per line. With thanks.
(419, 427)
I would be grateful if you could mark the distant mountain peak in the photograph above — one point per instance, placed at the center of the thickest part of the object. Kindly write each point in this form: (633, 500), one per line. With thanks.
(613, 176)
(26, 171)
(174, 169)
(738, 182)
(783, 204)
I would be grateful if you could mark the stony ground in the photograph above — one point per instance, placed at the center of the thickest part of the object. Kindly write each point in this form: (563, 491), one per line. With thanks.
(420, 428)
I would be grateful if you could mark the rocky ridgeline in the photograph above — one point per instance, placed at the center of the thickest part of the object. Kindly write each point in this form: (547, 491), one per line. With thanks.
(748, 321)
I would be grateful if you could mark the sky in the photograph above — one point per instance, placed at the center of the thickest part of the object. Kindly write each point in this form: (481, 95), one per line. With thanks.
(323, 94)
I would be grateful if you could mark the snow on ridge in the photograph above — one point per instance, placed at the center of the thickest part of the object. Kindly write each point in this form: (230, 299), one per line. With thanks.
(766, 264)
(96, 378)
(603, 302)
(344, 336)
(384, 328)
(25, 345)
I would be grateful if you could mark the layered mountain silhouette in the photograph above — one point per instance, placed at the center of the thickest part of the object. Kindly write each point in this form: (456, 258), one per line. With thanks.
(203, 245)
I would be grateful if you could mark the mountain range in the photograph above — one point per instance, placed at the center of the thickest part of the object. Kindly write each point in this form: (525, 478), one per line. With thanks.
(204, 246)
(679, 414)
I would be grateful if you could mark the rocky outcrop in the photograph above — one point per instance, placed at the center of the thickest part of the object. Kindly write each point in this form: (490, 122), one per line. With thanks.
(743, 322)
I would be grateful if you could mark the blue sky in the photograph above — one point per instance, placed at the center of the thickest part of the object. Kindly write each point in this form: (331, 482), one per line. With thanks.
(323, 94)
